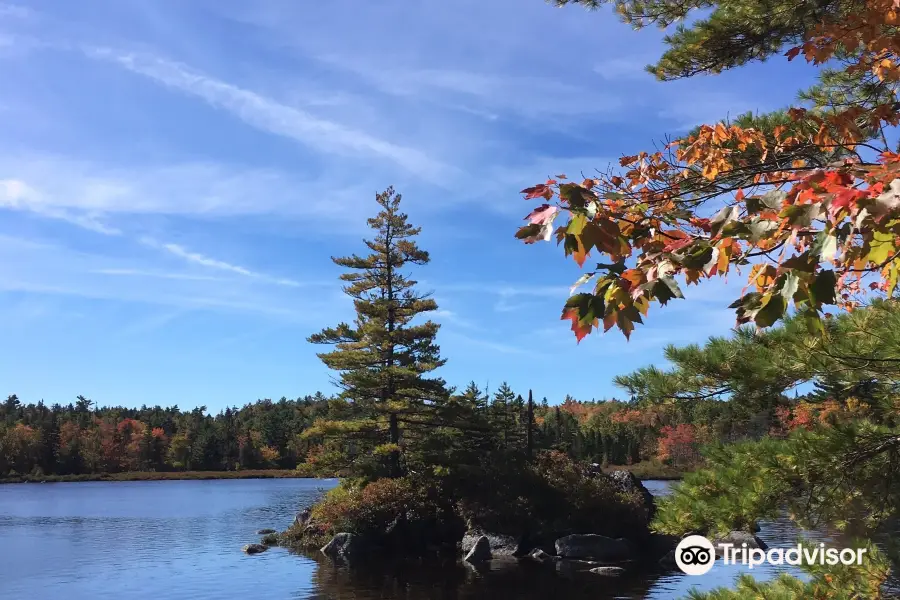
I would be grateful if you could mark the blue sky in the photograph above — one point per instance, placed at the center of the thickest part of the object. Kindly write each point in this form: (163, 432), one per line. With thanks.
(174, 177)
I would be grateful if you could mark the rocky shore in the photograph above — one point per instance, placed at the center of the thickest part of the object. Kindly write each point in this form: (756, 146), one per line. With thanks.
(567, 551)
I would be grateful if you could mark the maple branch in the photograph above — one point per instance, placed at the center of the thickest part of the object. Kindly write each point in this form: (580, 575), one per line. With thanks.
(766, 252)
(876, 267)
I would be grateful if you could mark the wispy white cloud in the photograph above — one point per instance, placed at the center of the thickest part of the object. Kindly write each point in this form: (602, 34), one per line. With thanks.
(493, 345)
(686, 111)
(18, 195)
(618, 68)
(508, 298)
(46, 268)
(453, 318)
(16, 11)
(500, 288)
(493, 93)
(200, 259)
(153, 274)
(91, 194)
(270, 115)
(213, 263)
(500, 184)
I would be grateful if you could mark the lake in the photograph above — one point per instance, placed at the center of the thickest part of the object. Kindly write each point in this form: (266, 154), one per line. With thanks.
(182, 540)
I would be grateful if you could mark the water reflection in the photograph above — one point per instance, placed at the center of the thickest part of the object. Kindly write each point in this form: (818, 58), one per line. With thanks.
(525, 579)
(181, 540)
(453, 581)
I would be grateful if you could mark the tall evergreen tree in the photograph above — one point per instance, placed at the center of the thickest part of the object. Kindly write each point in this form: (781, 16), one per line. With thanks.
(383, 358)
(503, 414)
(529, 433)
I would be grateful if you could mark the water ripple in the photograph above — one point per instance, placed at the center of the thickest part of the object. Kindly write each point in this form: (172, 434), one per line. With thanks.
(181, 540)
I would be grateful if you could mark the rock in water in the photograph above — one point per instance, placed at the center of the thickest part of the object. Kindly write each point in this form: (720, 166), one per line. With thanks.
(659, 545)
(480, 552)
(593, 546)
(501, 545)
(302, 517)
(568, 567)
(254, 548)
(608, 571)
(738, 539)
(541, 556)
(668, 561)
(626, 481)
(343, 545)
(265, 531)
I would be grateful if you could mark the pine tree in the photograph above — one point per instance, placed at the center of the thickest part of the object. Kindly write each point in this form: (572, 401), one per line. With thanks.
(504, 395)
(503, 414)
(474, 396)
(383, 357)
(529, 434)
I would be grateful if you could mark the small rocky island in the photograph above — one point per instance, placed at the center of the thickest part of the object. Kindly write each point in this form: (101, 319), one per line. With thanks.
(578, 535)
(600, 524)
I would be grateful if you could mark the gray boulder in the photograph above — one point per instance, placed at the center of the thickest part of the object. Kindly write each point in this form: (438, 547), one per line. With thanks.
(254, 548)
(668, 561)
(265, 531)
(542, 557)
(594, 546)
(501, 545)
(302, 517)
(608, 571)
(342, 545)
(738, 539)
(568, 567)
(480, 551)
(626, 481)
(659, 545)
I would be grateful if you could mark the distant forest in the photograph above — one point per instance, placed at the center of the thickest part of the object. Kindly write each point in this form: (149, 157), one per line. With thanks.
(80, 438)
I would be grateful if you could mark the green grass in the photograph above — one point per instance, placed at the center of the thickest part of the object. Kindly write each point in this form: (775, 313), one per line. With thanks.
(159, 476)
(651, 470)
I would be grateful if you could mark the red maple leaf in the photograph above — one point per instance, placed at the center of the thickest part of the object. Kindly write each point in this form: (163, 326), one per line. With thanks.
(580, 330)
(542, 214)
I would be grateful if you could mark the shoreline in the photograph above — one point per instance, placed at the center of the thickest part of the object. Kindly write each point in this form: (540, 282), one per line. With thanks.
(650, 470)
(641, 470)
(161, 476)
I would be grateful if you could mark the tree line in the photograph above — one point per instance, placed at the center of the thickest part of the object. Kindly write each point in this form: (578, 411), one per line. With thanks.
(80, 438)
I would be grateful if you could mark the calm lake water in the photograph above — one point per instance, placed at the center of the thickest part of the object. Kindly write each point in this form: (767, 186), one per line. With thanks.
(182, 540)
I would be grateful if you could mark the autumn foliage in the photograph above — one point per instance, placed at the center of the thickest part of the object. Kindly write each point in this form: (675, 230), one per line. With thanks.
(77, 440)
(809, 415)
(678, 444)
(808, 209)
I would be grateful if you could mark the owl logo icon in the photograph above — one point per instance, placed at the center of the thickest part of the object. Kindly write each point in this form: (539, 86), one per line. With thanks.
(695, 555)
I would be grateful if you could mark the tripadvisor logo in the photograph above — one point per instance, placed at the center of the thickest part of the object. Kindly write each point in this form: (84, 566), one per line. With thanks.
(695, 555)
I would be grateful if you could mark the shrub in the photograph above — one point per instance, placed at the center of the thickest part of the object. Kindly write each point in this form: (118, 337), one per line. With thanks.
(651, 469)
(306, 470)
(403, 511)
(553, 496)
